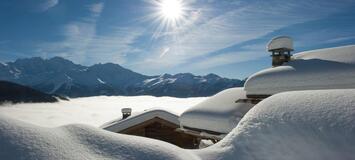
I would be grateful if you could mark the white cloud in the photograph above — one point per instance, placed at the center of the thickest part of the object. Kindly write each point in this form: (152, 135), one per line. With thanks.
(47, 4)
(227, 58)
(96, 8)
(340, 39)
(114, 47)
(82, 44)
(165, 50)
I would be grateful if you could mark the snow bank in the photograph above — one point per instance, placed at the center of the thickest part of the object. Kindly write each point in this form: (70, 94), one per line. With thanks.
(317, 125)
(218, 113)
(24, 141)
(344, 54)
(93, 111)
(332, 68)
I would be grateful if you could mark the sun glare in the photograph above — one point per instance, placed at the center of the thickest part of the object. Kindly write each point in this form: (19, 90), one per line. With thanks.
(169, 16)
(171, 9)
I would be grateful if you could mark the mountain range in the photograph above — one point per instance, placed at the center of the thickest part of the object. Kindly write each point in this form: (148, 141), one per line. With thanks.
(63, 77)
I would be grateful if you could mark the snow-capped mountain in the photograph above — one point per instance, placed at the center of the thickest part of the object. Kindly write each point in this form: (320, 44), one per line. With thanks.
(61, 76)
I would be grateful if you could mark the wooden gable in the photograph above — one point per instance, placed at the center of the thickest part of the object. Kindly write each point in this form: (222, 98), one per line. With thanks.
(164, 130)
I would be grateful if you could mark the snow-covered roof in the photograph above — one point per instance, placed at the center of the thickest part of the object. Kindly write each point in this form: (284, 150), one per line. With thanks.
(137, 118)
(219, 113)
(332, 68)
(316, 124)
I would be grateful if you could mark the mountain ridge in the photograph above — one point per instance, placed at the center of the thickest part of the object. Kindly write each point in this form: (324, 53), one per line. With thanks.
(15, 93)
(63, 77)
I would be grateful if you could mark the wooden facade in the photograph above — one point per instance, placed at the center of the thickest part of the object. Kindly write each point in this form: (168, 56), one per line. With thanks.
(161, 129)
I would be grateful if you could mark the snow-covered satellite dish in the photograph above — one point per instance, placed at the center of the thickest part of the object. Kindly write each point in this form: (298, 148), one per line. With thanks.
(281, 43)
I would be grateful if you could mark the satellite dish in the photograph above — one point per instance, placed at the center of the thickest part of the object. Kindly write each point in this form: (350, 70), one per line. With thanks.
(280, 44)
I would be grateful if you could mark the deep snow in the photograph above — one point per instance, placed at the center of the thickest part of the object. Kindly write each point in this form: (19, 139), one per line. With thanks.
(317, 125)
(307, 125)
(219, 113)
(331, 68)
(93, 111)
(24, 141)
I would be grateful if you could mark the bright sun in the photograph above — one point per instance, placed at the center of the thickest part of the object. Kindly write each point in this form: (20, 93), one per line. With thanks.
(171, 9)
(169, 15)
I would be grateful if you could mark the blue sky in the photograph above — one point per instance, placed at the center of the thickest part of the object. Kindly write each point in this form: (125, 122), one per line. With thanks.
(226, 37)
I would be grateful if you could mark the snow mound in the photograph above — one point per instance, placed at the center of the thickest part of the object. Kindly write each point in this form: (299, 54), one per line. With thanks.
(344, 54)
(317, 125)
(332, 68)
(24, 141)
(218, 113)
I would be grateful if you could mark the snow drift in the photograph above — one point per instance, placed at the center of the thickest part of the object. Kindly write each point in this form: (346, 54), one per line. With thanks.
(315, 125)
(332, 68)
(23, 141)
(219, 113)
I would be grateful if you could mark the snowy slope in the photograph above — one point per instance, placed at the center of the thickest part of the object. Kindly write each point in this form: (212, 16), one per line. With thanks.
(332, 68)
(24, 141)
(314, 125)
(218, 113)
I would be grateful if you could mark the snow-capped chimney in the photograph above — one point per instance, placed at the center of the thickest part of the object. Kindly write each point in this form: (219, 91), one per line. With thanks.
(280, 48)
(126, 112)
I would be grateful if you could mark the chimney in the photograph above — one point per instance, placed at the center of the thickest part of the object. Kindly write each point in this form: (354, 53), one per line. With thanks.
(280, 48)
(126, 112)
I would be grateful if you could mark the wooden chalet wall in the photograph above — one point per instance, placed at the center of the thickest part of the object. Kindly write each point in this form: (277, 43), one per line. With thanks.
(161, 129)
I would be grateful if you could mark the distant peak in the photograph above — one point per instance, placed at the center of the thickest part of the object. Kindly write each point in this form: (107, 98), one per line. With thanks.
(184, 74)
(60, 60)
(166, 75)
(212, 75)
(109, 64)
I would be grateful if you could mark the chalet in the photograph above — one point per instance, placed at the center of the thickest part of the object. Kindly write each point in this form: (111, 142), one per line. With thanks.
(155, 123)
(332, 68)
(212, 119)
